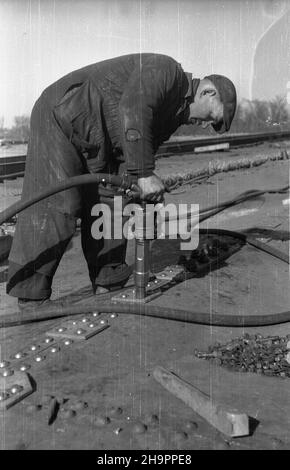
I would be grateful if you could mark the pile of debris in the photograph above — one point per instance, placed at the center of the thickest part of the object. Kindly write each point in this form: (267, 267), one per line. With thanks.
(252, 353)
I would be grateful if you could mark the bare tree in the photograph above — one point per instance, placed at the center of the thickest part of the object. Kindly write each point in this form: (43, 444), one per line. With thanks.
(278, 108)
(20, 129)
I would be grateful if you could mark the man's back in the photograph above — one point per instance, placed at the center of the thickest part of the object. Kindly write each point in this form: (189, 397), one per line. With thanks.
(111, 75)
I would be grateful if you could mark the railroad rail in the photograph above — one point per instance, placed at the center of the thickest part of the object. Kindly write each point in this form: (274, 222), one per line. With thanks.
(14, 166)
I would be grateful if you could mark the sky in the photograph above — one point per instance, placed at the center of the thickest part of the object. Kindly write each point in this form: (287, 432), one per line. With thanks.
(41, 40)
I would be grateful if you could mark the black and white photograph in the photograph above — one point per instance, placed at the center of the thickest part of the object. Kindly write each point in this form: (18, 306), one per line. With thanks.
(144, 228)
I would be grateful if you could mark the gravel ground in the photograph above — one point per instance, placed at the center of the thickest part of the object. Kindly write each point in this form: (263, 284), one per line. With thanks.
(114, 368)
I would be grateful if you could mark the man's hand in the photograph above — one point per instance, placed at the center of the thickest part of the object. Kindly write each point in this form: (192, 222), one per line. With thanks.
(152, 188)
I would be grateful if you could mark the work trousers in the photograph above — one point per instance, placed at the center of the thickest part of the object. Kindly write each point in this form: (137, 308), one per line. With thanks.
(44, 230)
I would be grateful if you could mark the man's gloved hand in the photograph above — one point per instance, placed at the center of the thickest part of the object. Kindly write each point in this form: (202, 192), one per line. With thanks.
(152, 188)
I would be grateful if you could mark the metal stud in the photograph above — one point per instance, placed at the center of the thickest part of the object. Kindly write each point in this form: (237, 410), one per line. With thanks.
(48, 340)
(92, 325)
(96, 314)
(54, 349)
(7, 372)
(16, 389)
(24, 367)
(74, 323)
(4, 396)
(19, 355)
(33, 347)
(80, 331)
(117, 431)
(113, 315)
(156, 281)
(84, 320)
(4, 364)
(124, 296)
(103, 322)
(39, 358)
(68, 342)
(61, 330)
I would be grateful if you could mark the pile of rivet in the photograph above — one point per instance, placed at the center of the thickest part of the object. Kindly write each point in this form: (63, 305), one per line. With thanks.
(252, 353)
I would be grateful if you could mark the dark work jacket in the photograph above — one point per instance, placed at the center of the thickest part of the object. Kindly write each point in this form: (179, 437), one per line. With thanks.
(121, 109)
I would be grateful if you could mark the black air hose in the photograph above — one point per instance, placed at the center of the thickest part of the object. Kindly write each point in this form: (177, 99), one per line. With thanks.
(60, 310)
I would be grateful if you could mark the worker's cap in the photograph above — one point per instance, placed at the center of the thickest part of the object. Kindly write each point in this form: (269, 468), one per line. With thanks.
(228, 97)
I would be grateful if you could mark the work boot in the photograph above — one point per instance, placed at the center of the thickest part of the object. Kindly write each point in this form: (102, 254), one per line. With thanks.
(29, 304)
(111, 278)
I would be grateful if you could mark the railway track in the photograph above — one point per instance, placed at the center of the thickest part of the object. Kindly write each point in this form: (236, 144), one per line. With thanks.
(14, 167)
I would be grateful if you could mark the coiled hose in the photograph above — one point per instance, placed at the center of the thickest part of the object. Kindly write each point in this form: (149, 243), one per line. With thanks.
(60, 309)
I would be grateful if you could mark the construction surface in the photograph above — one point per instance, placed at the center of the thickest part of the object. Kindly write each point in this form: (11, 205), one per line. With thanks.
(107, 394)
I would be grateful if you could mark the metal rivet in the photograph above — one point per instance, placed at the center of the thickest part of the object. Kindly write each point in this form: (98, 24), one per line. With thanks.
(80, 332)
(7, 372)
(61, 330)
(16, 389)
(33, 347)
(113, 315)
(4, 364)
(84, 320)
(149, 284)
(171, 270)
(54, 350)
(117, 431)
(124, 296)
(162, 274)
(156, 281)
(18, 355)
(24, 367)
(103, 322)
(4, 396)
(68, 342)
(91, 325)
(39, 358)
(48, 340)
(95, 314)
(74, 322)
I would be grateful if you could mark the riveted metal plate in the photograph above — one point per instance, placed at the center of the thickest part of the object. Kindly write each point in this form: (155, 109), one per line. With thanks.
(78, 329)
(13, 389)
(171, 273)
